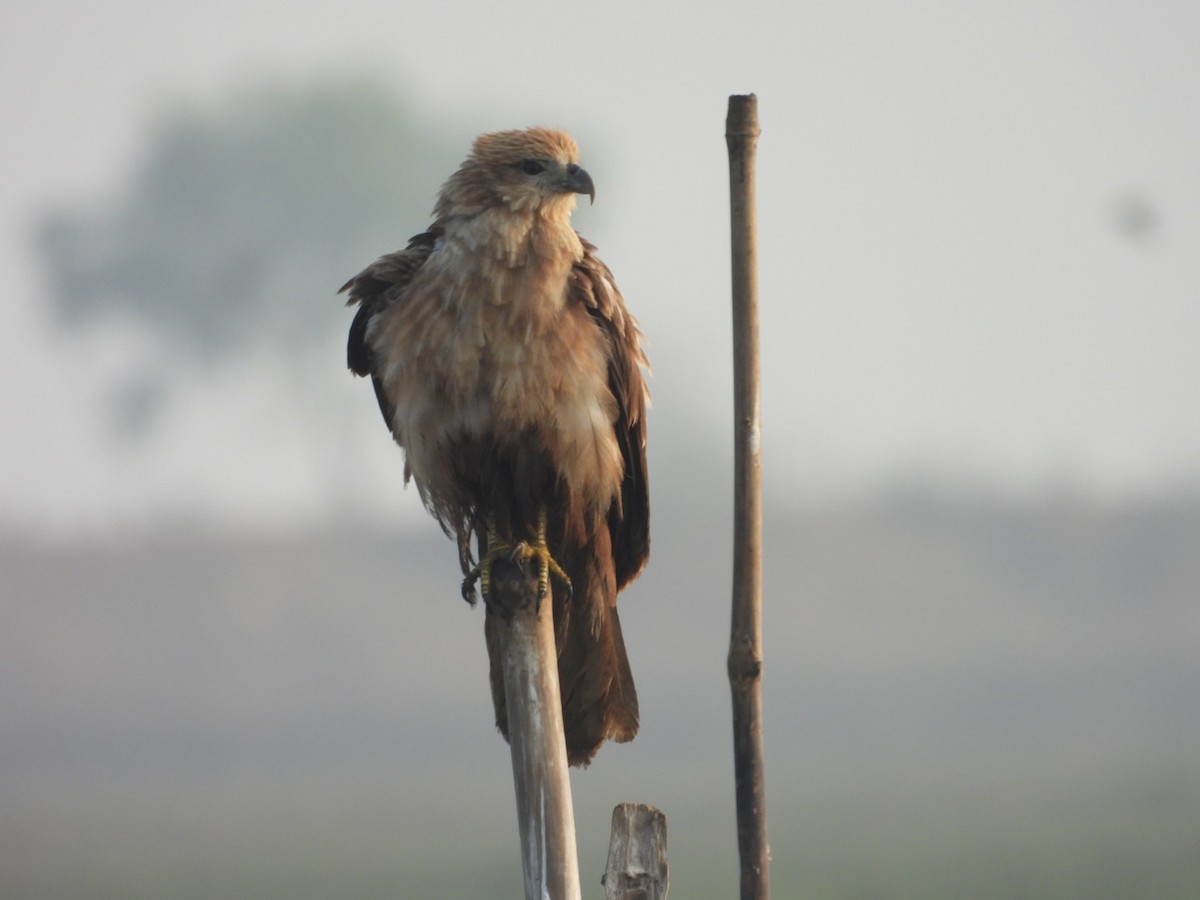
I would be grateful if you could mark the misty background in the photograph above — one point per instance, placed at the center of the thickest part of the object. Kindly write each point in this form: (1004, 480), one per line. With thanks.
(234, 661)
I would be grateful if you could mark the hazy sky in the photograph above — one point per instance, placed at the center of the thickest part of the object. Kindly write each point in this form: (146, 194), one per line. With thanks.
(980, 228)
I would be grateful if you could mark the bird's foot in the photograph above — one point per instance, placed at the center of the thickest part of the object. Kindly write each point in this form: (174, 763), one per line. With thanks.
(482, 573)
(521, 553)
(547, 564)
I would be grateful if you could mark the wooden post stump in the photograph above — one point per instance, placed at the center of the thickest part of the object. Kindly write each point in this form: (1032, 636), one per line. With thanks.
(637, 854)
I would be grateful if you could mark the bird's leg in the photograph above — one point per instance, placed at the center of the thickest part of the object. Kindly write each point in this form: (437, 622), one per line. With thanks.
(482, 573)
(547, 564)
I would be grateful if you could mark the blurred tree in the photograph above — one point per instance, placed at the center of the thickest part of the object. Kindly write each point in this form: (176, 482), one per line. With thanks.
(242, 222)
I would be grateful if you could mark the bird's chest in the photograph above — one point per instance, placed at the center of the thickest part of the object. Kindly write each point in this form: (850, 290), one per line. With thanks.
(492, 357)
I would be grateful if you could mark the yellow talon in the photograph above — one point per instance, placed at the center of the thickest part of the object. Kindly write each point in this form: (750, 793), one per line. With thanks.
(483, 571)
(547, 564)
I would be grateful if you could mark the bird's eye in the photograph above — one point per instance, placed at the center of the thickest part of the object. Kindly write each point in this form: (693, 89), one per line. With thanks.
(532, 166)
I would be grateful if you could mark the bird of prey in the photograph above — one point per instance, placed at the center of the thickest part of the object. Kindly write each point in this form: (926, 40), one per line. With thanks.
(508, 368)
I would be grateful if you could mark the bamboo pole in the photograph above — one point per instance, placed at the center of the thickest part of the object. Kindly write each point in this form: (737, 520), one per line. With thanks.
(745, 644)
(545, 817)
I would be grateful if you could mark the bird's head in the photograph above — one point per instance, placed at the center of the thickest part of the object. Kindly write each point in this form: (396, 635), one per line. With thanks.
(534, 170)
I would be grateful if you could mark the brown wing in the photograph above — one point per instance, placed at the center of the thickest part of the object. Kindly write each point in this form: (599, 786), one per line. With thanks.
(375, 289)
(592, 284)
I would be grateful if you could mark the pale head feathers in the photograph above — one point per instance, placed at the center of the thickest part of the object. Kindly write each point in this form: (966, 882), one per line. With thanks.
(501, 147)
(535, 170)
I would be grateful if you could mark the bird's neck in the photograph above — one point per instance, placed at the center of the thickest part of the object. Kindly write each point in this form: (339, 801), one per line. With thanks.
(498, 260)
(541, 238)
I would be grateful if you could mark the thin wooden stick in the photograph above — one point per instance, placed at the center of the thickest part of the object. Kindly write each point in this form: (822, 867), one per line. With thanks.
(745, 644)
(535, 729)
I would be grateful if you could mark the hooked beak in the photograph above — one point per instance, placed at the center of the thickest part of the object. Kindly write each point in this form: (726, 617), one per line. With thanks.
(580, 182)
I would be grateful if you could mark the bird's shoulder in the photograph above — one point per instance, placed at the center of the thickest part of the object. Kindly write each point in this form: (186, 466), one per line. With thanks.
(391, 273)
(379, 286)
